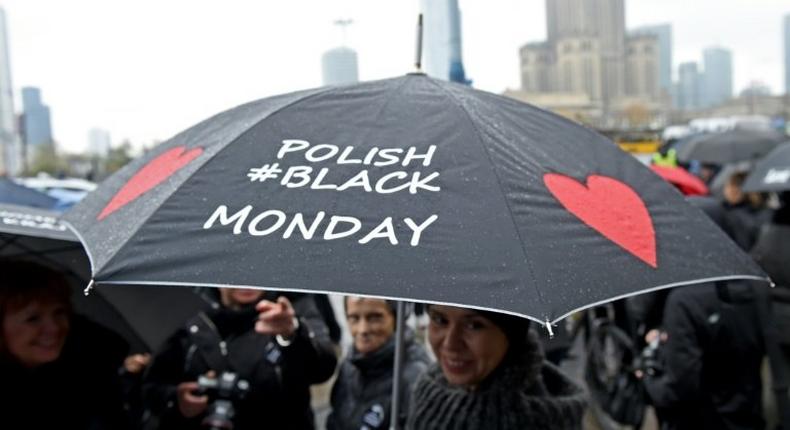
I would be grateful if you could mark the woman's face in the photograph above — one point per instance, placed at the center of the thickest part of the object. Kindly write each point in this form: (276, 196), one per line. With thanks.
(468, 347)
(371, 323)
(35, 333)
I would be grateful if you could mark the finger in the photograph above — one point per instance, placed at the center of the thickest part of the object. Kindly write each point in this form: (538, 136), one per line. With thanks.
(265, 305)
(284, 302)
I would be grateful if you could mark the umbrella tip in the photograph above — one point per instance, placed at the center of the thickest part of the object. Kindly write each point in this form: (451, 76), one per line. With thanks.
(88, 289)
(549, 329)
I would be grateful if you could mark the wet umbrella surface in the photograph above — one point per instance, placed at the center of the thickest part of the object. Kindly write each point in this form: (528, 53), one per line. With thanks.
(407, 188)
(730, 146)
(772, 173)
(143, 317)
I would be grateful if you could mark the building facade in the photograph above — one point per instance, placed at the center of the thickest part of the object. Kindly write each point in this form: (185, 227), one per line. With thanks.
(688, 87)
(36, 124)
(663, 34)
(442, 42)
(339, 66)
(643, 57)
(717, 76)
(787, 52)
(10, 148)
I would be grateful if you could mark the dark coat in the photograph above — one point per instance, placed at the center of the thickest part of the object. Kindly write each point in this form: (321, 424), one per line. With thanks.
(80, 390)
(279, 376)
(362, 394)
(743, 222)
(772, 253)
(524, 392)
(712, 359)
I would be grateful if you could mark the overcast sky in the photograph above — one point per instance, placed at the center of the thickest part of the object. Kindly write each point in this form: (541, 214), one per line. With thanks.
(146, 69)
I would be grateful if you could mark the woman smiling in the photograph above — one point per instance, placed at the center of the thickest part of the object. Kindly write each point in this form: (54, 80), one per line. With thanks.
(490, 374)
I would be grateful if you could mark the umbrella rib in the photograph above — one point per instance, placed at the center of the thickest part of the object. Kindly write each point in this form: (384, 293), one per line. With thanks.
(461, 106)
(311, 291)
(166, 198)
(663, 287)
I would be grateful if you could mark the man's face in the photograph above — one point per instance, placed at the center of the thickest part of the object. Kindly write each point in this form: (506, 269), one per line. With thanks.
(371, 323)
(234, 297)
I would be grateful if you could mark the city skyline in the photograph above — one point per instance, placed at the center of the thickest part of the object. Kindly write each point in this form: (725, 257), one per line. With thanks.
(99, 70)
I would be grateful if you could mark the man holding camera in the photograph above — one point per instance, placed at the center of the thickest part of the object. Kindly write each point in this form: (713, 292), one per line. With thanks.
(247, 363)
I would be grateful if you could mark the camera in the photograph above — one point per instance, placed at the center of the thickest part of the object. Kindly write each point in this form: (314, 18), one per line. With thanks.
(223, 392)
(650, 361)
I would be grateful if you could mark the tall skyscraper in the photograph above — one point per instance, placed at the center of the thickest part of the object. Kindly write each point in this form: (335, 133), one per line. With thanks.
(588, 41)
(339, 65)
(787, 52)
(442, 43)
(10, 153)
(36, 126)
(457, 72)
(717, 76)
(663, 33)
(688, 91)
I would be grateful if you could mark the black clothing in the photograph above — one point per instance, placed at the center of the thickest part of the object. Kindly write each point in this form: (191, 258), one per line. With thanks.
(327, 312)
(712, 358)
(79, 390)
(225, 340)
(362, 394)
(524, 392)
(742, 222)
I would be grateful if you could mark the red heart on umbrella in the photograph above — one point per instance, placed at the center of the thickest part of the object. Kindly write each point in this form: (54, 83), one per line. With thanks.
(611, 208)
(151, 175)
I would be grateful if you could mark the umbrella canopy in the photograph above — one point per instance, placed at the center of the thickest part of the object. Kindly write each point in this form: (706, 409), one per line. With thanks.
(730, 146)
(15, 194)
(142, 316)
(408, 188)
(687, 183)
(772, 173)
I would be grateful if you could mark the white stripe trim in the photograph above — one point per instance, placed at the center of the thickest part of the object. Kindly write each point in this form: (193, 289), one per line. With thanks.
(540, 321)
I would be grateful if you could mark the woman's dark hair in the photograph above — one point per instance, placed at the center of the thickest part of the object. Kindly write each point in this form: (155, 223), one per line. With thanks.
(24, 282)
(392, 305)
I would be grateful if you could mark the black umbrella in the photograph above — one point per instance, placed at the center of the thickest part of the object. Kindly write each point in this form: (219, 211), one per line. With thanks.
(772, 173)
(15, 194)
(144, 317)
(730, 146)
(408, 188)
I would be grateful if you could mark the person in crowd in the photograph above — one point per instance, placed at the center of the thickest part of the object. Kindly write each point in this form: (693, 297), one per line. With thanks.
(490, 374)
(58, 370)
(248, 363)
(745, 213)
(709, 350)
(772, 253)
(362, 394)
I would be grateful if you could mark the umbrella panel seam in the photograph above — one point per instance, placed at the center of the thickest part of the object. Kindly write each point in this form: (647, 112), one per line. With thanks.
(461, 106)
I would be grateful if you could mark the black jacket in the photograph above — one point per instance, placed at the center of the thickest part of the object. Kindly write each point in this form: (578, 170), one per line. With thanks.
(772, 253)
(742, 222)
(279, 376)
(362, 394)
(712, 358)
(80, 390)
